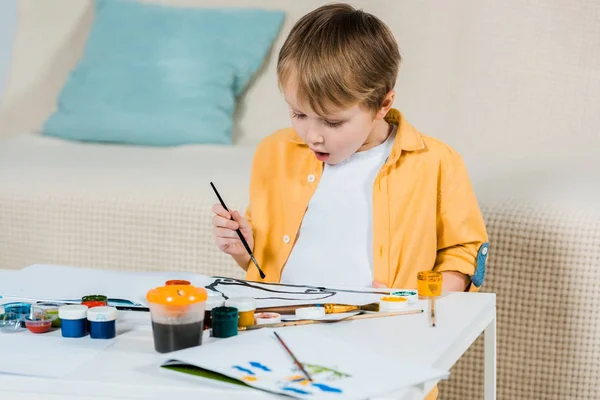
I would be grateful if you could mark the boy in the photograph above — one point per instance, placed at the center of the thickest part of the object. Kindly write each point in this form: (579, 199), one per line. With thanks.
(353, 195)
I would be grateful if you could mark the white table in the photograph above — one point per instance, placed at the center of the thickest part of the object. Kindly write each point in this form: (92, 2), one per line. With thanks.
(129, 369)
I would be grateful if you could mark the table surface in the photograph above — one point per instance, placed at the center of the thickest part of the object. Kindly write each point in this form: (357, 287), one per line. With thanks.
(129, 369)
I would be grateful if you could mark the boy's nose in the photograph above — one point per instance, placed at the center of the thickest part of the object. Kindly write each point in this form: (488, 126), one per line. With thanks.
(314, 138)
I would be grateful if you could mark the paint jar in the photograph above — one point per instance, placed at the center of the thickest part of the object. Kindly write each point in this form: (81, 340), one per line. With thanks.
(213, 301)
(91, 301)
(19, 310)
(246, 307)
(429, 284)
(177, 282)
(410, 295)
(39, 323)
(50, 309)
(73, 319)
(94, 300)
(103, 321)
(10, 322)
(177, 313)
(18, 307)
(267, 318)
(392, 303)
(224, 322)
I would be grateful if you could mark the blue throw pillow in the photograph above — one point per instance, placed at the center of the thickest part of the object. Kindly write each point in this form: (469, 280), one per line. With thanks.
(162, 76)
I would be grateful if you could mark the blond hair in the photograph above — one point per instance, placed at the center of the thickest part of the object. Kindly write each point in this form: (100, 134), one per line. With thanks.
(337, 56)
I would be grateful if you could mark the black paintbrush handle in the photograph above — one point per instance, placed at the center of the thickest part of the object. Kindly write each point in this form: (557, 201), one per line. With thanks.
(239, 233)
(237, 230)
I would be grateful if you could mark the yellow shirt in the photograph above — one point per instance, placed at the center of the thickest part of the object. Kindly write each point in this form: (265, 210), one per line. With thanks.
(425, 214)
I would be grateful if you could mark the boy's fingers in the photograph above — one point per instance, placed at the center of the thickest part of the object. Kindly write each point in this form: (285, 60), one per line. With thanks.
(219, 210)
(224, 233)
(243, 222)
(224, 242)
(221, 222)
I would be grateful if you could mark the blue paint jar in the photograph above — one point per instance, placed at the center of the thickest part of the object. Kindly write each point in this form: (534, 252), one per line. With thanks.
(19, 310)
(73, 320)
(103, 321)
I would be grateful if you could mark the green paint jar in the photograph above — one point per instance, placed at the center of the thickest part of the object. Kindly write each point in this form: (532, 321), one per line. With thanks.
(95, 298)
(224, 322)
(55, 322)
(50, 309)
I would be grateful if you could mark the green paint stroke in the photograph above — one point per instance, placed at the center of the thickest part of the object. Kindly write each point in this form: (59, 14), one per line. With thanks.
(318, 369)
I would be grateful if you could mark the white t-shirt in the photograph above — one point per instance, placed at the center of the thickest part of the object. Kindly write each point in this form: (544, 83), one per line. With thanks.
(334, 246)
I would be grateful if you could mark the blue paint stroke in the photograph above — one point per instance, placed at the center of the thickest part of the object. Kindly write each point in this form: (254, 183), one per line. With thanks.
(260, 366)
(248, 371)
(325, 388)
(298, 391)
(302, 379)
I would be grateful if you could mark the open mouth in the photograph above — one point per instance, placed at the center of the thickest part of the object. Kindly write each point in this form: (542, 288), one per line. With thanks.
(321, 156)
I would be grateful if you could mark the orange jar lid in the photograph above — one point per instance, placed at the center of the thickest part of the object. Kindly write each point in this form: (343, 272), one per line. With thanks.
(176, 295)
(177, 282)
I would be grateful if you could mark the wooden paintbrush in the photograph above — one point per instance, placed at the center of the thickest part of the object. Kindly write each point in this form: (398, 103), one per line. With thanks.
(298, 363)
(317, 321)
(330, 308)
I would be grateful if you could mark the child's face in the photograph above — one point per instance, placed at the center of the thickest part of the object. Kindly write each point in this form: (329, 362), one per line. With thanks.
(337, 136)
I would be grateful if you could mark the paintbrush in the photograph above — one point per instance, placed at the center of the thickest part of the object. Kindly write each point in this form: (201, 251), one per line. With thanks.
(241, 236)
(330, 308)
(433, 288)
(316, 321)
(298, 364)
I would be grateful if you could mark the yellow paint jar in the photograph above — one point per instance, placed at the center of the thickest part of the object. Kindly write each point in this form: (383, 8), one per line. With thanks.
(246, 307)
(429, 283)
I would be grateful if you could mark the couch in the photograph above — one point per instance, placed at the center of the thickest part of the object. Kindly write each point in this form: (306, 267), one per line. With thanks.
(513, 86)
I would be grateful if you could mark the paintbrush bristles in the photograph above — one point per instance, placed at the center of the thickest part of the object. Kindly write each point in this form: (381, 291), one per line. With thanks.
(374, 307)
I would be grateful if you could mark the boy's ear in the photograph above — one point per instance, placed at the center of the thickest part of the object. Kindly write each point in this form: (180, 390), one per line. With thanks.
(387, 103)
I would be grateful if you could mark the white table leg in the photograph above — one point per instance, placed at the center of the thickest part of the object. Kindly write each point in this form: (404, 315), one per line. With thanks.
(490, 361)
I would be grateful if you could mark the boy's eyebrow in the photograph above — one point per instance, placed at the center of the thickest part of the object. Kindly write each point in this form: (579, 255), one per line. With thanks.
(324, 118)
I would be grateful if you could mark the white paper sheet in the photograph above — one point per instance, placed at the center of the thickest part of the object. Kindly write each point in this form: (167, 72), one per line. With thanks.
(50, 282)
(46, 356)
(339, 370)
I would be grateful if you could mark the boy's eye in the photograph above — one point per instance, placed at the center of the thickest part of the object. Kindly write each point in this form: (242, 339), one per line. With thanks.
(332, 124)
(299, 116)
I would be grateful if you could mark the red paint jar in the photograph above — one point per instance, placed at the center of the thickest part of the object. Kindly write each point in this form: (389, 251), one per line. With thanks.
(41, 324)
(93, 303)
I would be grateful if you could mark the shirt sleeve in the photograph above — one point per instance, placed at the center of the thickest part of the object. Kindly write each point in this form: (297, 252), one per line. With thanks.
(462, 241)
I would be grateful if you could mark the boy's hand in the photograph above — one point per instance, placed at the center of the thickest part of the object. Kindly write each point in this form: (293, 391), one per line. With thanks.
(379, 285)
(227, 238)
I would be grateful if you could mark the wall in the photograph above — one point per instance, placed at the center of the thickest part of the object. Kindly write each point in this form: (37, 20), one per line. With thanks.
(8, 23)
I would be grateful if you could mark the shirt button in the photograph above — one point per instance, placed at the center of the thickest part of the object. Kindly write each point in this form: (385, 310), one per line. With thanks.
(484, 251)
(311, 178)
(286, 239)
